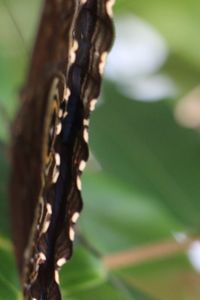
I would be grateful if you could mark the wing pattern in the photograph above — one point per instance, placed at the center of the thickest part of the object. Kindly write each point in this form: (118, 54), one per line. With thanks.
(50, 137)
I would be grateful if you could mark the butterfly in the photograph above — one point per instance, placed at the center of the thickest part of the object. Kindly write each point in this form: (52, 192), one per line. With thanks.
(50, 138)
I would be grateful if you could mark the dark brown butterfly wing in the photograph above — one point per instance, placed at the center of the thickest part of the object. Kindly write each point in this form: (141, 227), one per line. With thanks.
(50, 137)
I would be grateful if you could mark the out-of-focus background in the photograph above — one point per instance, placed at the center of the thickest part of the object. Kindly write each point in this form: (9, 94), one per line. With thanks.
(139, 233)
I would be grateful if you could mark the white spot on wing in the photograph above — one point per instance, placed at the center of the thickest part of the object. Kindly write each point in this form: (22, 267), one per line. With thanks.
(85, 135)
(102, 62)
(65, 114)
(93, 104)
(67, 93)
(60, 113)
(41, 201)
(75, 217)
(41, 257)
(58, 128)
(78, 183)
(72, 53)
(55, 175)
(71, 234)
(82, 165)
(109, 6)
(47, 222)
(45, 227)
(57, 159)
(86, 122)
(49, 209)
(61, 262)
(56, 276)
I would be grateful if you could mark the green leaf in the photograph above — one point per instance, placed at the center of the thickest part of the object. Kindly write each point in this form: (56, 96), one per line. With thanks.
(105, 291)
(9, 285)
(122, 216)
(129, 290)
(141, 145)
(15, 51)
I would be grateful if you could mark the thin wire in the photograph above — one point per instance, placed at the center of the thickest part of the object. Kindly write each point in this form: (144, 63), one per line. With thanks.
(14, 21)
(85, 243)
(118, 283)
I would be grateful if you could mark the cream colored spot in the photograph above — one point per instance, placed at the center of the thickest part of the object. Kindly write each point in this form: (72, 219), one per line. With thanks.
(55, 176)
(93, 104)
(57, 159)
(41, 257)
(82, 165)
(72, 53)
(49, 209)
(58, 128)
(45, 227)
(102, 62)
(86, 122)
(83, 1)
(60, 113)
(65, 114)
(75, 217)
(78, 183)
(67, 93)
(61, 262)
(41, 201)
(86, 135)
(47, 222)
(109, 6)
(56, 276)
(71, 234)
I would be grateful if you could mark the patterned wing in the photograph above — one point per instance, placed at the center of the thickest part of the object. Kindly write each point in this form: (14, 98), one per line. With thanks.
(50, 137)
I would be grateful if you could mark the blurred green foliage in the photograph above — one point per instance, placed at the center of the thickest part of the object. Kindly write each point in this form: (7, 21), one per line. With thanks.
(147, 186)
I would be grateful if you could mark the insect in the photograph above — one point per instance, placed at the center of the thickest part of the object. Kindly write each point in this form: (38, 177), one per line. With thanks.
(50, 138)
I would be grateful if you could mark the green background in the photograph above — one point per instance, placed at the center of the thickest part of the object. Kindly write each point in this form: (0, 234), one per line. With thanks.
(142, 184)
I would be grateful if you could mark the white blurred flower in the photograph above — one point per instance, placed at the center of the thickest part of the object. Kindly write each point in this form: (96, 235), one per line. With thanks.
(151, 88)
(194, 255)
(138, 53)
